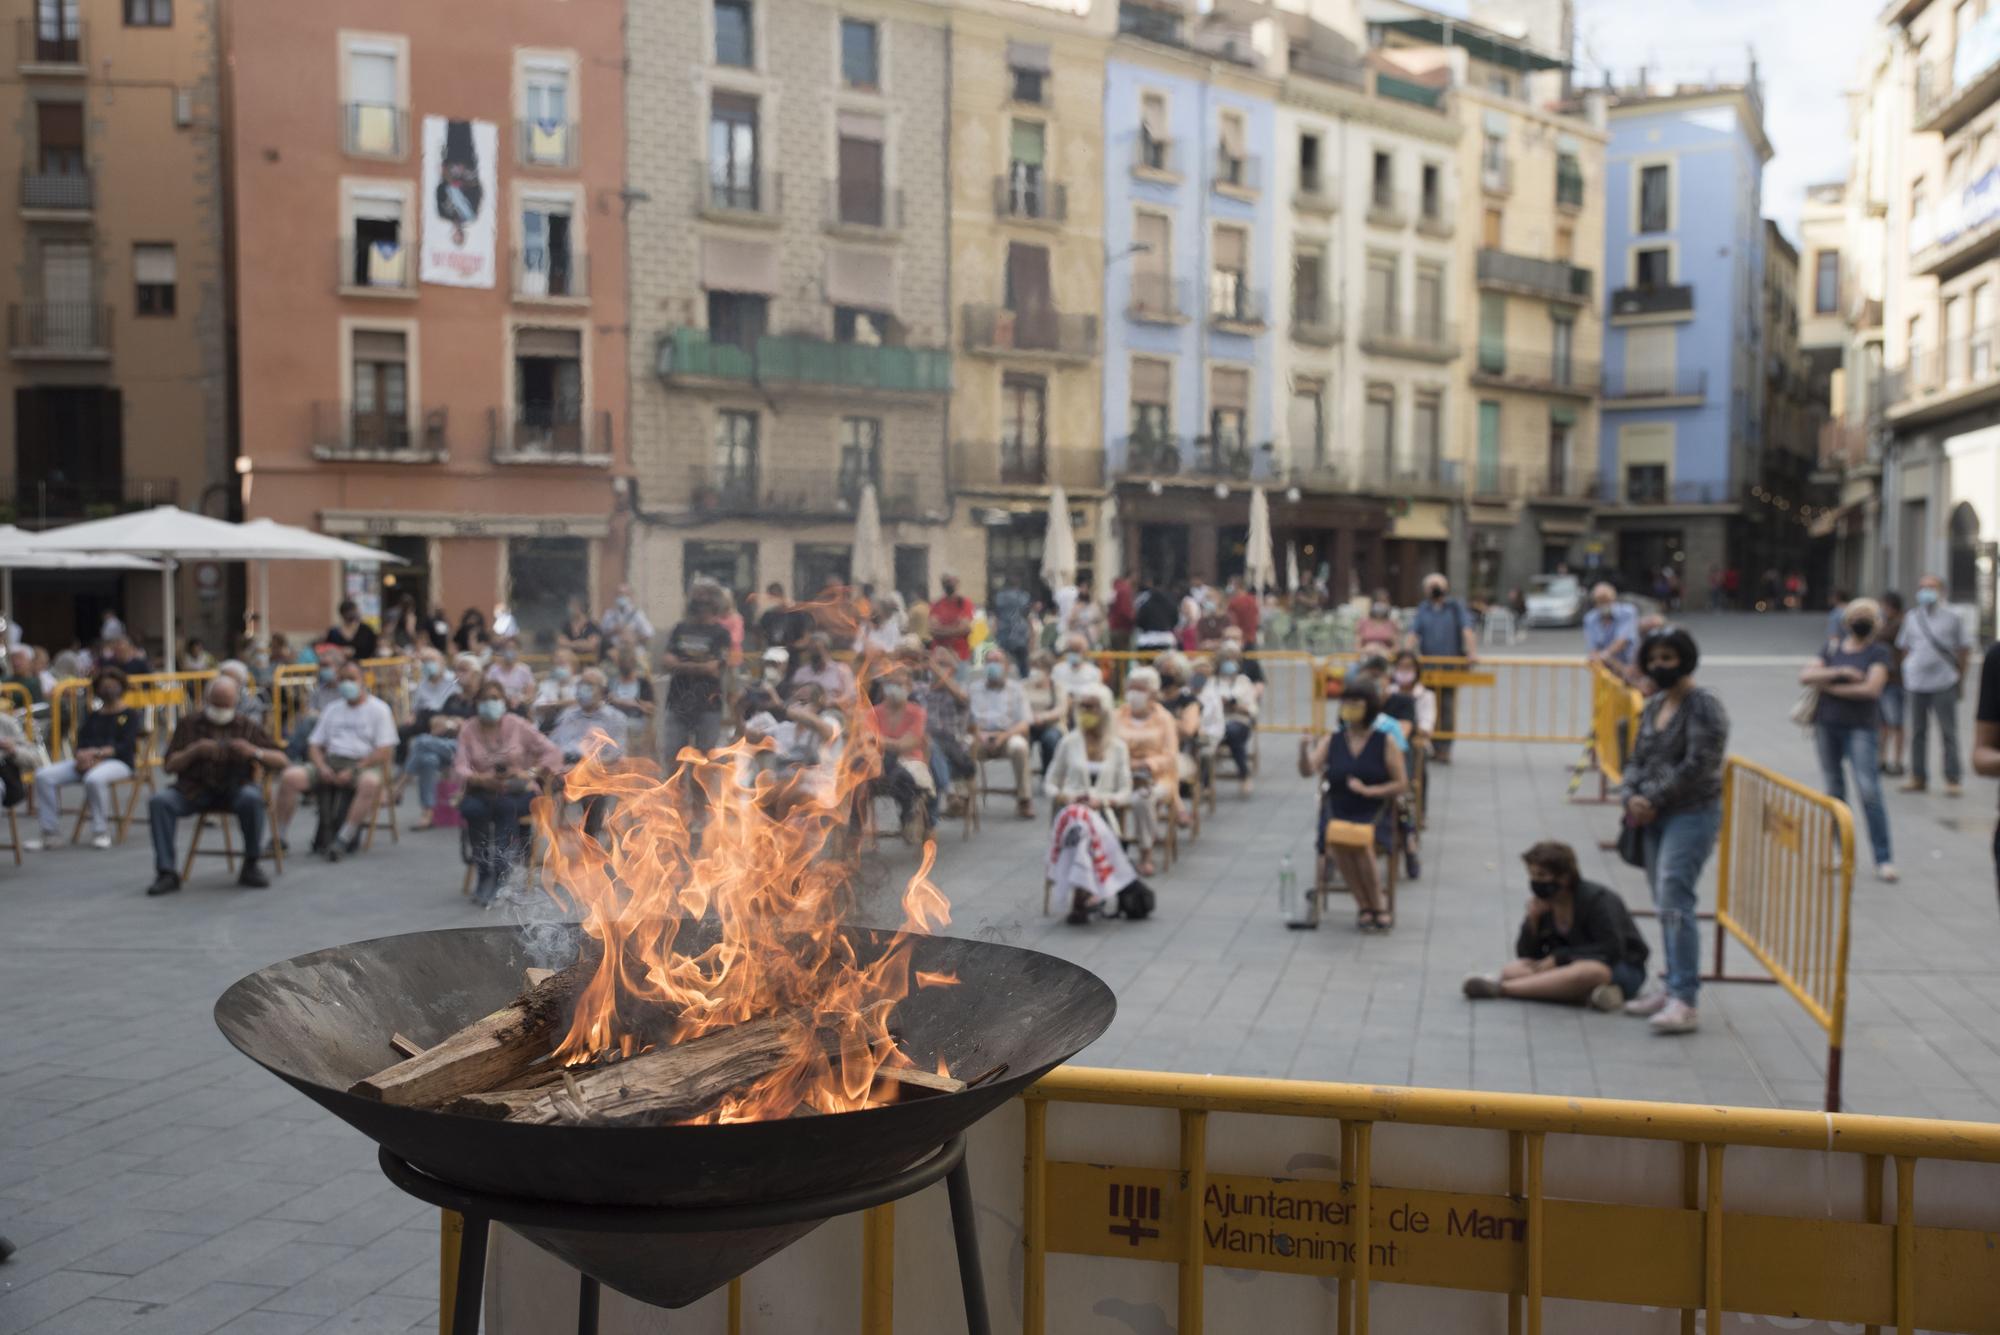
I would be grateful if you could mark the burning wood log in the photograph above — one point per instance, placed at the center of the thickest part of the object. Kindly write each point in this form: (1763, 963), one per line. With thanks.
(916, 1081)
(488, 1053)
(667, 1084)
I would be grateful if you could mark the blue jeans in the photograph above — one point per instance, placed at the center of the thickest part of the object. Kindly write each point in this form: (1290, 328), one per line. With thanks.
(171, 806)
(1858, 747)
(1677, 844)
(429, 755)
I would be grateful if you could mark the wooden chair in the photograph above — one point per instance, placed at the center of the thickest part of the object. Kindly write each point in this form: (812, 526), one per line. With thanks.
(1388, 842)
(142, 779)
(226, 820)
(385, 811)
(14, 833)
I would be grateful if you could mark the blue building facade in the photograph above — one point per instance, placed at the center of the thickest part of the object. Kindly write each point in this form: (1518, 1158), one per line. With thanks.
(1682, 436)
(1190, 246)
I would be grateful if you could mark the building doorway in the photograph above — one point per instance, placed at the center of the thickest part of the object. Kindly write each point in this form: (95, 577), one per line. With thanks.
(543, 574)
(818, 564)
(411, 580)
(1962, 555)
(733, 565)
(1014, 554)
(1163, 555)
(1643, 553)
(913, 573)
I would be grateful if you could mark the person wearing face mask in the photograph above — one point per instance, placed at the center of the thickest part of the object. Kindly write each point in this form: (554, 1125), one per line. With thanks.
(1000, 720)
(819, 667)
(1089, 783)
(106, 748)
(580, 635)
(1152, 743)
(1239, 698)
(1936, 654)
(1048, 705)
(1074, 672)
(1360, 770)
(516, 679)
(433, 749)
(883, 628)
(1893, 702)
(353, 634)
(622, 616)
(1611, 630)
(216, 757)
(471, 637)
(951, 620)
(556, 692)
(1377, 632)
(248, 703)
(347, 754)
(1673, 795)
(1577, 944)
(432, 688)
(591, 727)
(1851, 673)
(502, 763)
(1443, 629)
(904, 730)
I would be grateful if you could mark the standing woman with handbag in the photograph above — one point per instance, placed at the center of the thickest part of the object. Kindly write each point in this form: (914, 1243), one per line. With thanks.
(1673, 798)
(1850, 675)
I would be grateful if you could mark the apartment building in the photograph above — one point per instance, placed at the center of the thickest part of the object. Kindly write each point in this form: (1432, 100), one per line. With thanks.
(1786, 492)
(1683, 390)
(116, 298)
(1940, 484)
(430, 297)
(790, 337)
(1368, 189)
(1191, 256)
(1026, 194)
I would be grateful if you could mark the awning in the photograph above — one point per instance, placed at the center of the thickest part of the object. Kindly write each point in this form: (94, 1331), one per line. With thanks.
(861, 278)
(1030, 56)
(1564, 528)
(1425, 521)
(859, 125)
(1489, 516)
(730, 265)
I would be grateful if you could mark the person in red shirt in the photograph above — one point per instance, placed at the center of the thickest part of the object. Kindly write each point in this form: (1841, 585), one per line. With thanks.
(951, 620)
(1243, 610)
(904, 729)
(1118, 616)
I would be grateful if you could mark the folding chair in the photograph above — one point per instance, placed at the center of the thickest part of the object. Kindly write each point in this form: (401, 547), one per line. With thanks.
(141, 779)
(227, 821)
(13, 833)
(385, 812)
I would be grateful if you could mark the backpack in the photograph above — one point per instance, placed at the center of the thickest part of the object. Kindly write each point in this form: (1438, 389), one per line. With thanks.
(1136, 901)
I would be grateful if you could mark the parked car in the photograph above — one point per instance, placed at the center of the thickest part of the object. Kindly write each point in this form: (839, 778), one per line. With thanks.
(1555, 600)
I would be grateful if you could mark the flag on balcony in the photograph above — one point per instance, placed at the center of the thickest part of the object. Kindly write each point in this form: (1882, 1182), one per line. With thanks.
(548, 141)
(387, 264)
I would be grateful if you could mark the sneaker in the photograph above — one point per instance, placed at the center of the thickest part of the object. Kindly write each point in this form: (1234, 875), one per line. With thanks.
(351, 844)
(1607, 997)
(1952, 788)
(1886, 871)
(1481, 986)
(35, 843)
(253, 878)
(164, 884)
(332, 853)
(1648, 1003)
(100, 842)
(1912, 786)
(1676, 1017)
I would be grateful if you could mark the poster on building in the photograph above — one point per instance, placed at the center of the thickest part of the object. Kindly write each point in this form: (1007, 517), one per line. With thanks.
(461, 195)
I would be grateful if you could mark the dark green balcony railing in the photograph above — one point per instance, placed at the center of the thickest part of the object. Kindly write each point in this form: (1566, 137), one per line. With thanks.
(777, 360)
(1406, 90)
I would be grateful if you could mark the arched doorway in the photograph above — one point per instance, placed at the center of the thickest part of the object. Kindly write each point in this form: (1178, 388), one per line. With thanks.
(1962, 561)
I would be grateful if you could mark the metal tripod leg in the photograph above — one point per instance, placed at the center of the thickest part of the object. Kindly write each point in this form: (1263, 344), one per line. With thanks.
(965, 1230)
(471, 1288)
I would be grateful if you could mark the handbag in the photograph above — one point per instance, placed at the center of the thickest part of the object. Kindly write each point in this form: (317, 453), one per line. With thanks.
(1632, 844)
(1349, 834)
(1805, 710)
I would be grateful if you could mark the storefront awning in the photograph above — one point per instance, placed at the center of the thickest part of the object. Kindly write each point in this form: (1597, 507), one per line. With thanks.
(1564, 528)
(1426, 521)
(1489, 516)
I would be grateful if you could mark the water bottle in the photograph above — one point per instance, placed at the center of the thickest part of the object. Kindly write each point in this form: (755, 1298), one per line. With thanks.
(1288, 889)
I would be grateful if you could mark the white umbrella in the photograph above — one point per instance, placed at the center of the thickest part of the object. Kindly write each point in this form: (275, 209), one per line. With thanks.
(1259, 569)
(1292, 566)
(870, 563)
(309, 546)
(1109, 558)
(1059, 544)
(18, 553)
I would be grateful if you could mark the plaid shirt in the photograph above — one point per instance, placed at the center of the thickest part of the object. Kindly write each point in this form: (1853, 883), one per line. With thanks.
(215, 777)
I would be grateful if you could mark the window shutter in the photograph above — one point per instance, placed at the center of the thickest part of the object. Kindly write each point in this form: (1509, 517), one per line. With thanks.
(1229, 246)
(1229, 388)
(153, 264)
(379, 345)
(1030, 56)
(1152, 380)
(560, 343)
(1153, 115)
(1232, 136)
(61, 124)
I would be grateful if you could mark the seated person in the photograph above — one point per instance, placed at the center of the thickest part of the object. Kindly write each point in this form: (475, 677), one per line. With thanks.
(217, 756)
(1577, 944)
(906, 776)
(440, 714)
(1183, 702)
(774, 669)
(501, 764)
(817, 665)
(21, 672)
(1075, 671)
(1238, 697)
(579, 634)
(803, 735)
(517, 679)
(1089, 783)
(347, 754)
(1407, 679)
(556, 692)
(1153, 745)
(936, 688)
(1048, 706)
(1232, 645)
(324, 695)
(1361, 771)
(15, 750)
(248, 703)
(106, 748)
(1000, 720)
(592, 723)
(632, 686)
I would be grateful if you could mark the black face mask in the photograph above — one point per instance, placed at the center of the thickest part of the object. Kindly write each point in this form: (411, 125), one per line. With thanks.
(1664, 675)
(1437, 595)
(1862, 629)
(1544, 889)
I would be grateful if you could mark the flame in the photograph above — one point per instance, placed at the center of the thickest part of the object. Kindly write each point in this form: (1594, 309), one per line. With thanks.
(772, 865)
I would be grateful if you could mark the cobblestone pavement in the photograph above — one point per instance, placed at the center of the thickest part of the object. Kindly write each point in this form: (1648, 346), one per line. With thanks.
(157, 1182)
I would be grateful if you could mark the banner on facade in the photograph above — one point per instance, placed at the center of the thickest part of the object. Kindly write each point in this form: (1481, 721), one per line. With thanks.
(461, 196)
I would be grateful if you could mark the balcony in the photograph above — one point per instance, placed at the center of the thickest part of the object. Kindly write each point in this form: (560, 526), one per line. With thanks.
(342, 433)
(1564, 482)
(58, 192)
(1151, 456)
(804, 364)
(1392, 333)
(369, 269)
(1234, 307)
(1427, 476)
(997, 331)
(550, 145)
(1155, 159)
(1154, 25)
(1025, 195)
(807, 494)
(1939, 382)
(1569, 190)
(552, 276)
(51, 44)
(1843, 445)
(374, 130)
(1159, 298)
(1649, 492)
(866, 209)
(1333, 69)
(1549, 280)
(989, 464)
(1950, 94)
(548, 433)
(59, 331)
(1662, 302)
(1388, 209)
(1539, 371)
(1316, 194)
(737, 194)
(1234, 459)
(1435, 221)
(40, 503)
(1315, 320)
(1497, 178)
(1962, 230)
(1427, 96)
(1237, 174)
(1655, 387)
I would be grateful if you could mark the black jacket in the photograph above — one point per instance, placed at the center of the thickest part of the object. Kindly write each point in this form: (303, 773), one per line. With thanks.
(116, 728)
(1600, 930)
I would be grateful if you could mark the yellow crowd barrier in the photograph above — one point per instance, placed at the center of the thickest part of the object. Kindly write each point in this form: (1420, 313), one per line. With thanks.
(1784, 889)
(291, 687)
(1291, 702)
(1614, 722)
(164, 695)
(1494, 699)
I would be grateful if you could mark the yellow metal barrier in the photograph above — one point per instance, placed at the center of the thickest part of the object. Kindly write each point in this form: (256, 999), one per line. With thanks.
(1784, 889)
(291, 688)
(391, 679)
(1290, 704)
(167, 691)
(1614, 721)
(1494, 699)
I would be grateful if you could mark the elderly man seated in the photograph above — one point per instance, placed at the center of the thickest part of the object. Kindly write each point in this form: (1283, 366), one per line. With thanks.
(347, 754)
(516, 679)
(248, 703)
(1000, 719)
(216, 757)
(324, 695)
(591, 724)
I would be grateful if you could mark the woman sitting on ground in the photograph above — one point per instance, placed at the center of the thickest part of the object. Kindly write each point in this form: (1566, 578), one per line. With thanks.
(1154, 742)
(1577, 944)
(1362, 769)
(1088, 783)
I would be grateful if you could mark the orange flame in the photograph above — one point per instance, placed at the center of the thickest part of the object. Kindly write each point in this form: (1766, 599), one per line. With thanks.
(769, 858)
(925, 979)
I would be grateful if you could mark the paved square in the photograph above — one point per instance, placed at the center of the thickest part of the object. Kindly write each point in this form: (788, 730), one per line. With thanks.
(157, 1182)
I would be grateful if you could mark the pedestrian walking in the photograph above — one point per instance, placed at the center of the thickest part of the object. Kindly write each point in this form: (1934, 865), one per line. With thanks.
(1673, 795)
(1935, 655)
(1851, 674)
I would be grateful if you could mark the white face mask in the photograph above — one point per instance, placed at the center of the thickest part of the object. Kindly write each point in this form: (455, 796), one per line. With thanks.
(220, 716)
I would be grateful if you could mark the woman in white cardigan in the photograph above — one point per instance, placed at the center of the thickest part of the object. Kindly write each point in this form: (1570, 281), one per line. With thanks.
(1089, 779)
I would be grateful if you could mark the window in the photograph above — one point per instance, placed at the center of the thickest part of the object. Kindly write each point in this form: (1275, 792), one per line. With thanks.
(1493, 159)
(153, 274)
(733, 565)
(1309, 288)
(1430, 304)
(1645, 484)
(1232, 158)
(860, 457)
(1030, 86)
(1152, 406)
(1500, 83)
(817, 566)
(1826, 282)
(1028, 71)
(1229, 280)
(1153, 265)
(69, 447)
(545, 132)
(860, 54)
(1427, 433)
(1378, 426)
(1306, 423)
(149, 13)
(378, 258)
(867, 328)
(58, 32)
(374, 99)
(733, 176)
(1562, 343)
(59, 138)
(1492, 333)
(1954, 340)
(737, 318)
(1027, 186)
(1381, 293)
(1027, 282)
(733, 35)
(380, 414)
(1024, 401)
(1489, 229)
(1309, 169)
(1432, 199)
(734, 455)
(1653, 268)
(1153, 133)
(861, 193)
(1558, 481)
(1228, 418)
(548, 391)
(1569, 180)
(1653, 190)
(549, 266)
(1487, 464)
(1384, 180)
